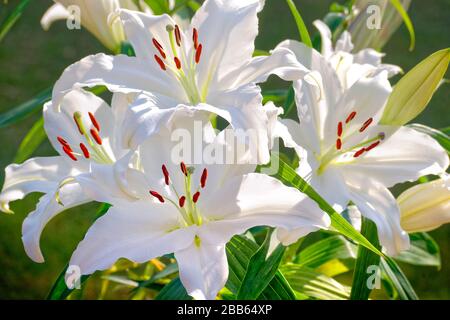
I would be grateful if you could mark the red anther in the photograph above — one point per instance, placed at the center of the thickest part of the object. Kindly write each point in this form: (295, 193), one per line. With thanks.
(195, 38)
(159, 47)
(62, 141)
(157, 196)
(69, 153)
(96, 137)
(181, 201)
(203, 178)
(166, 174)
(350, 117)
(359, 152)
(198, 53)
(85, 151)
(183, 168)
(338, 144)
(94, 121)
(78, 125)
(373, 145)
(177, 35)
(195, 197)
(160, 62)
(177, 62)
(366, 124)
(339, 129)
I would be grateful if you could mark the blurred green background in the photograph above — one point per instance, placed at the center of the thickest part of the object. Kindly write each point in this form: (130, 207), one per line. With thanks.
(31, 60)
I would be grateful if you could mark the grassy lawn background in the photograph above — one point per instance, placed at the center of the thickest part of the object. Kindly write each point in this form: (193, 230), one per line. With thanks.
(31, 60)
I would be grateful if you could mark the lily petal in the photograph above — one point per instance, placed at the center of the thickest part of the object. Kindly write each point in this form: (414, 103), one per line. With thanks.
(119, 74)
(203, 269)
(376, 202)
(137, 231)
(56, 12)
(70, 195)
(34, 175)
(405, 155)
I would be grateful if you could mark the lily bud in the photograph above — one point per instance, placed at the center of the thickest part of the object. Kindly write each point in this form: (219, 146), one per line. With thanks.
(426, 206)
(94, 17)
(363, 36)
(412, 93)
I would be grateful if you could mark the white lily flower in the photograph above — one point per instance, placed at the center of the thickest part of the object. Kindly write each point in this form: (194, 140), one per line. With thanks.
(349, 66)
(86, 131)
(425, 206)
(191, 210)
(94, 17)
(350, 157)
(210, 63)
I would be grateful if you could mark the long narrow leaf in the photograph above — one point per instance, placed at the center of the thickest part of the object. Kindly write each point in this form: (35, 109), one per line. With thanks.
(288, 175)
(399, 280)
(424, 251)
(173, 291)
(303, 31)
(260, 271)
(314, 284)
(361, 288)
(12, 18)
(408, 23)
(25, 109)
(31, 142)
(239, 251)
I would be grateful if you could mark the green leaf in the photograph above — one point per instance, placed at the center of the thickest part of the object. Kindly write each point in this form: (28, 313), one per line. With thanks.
(424, 251)
(441, 136)
(398, 279)
(289, 103)
(12, 18)
(276, 96)
(288, 175)
(322, 251)
(60, 291)
(303, 31)
(366, 258)
(314, 284)
(174, 290)
(158, 6)
(167, 271)
(25, 109)
(127, 49)
(408, 23)
(239, 251)
(415, 89)
(31, 142)
(260, 271)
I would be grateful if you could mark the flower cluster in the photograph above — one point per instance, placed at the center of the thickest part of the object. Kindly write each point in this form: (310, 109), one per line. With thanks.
(182, 78)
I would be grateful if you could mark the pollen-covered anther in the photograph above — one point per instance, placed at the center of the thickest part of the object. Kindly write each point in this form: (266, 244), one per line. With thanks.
(166, 174)
(338, 144)
(94, 121)
(373, 145)
(159, 47)
(157, 196)
(67, 150)
(182, 201)
(339, 129)
(195, 38)
(77, 119)
(177, 35)
(198, 53)
(96, 136)
(160, 63)
(62, 141)
(203, 178)
(350, 117)
(195, 197)
(366, 124)
(85, 151)
(359, 152)
(183, 168)
(177, 62)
